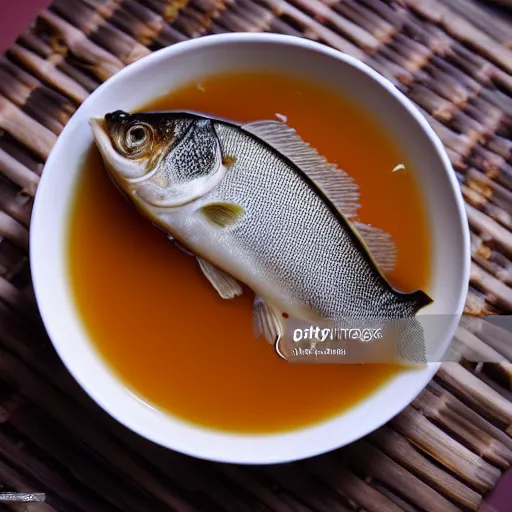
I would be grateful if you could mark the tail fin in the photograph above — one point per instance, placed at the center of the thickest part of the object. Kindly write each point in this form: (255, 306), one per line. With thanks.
(419, 299)
(409, 338)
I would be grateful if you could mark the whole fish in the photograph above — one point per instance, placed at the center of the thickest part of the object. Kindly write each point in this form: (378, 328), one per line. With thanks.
(258, 205)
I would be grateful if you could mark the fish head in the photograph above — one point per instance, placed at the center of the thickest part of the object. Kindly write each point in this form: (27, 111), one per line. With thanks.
(161, 159)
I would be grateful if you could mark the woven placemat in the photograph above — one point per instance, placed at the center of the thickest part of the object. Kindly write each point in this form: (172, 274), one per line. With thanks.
(453, 58)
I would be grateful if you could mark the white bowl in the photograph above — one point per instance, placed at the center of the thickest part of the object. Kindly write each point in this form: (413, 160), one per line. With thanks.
(156, 75)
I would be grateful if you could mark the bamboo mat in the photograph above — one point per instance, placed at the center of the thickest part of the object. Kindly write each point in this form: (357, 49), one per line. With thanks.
(453, 58)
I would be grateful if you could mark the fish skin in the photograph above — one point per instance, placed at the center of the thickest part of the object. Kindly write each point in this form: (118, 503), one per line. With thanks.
(281, 235)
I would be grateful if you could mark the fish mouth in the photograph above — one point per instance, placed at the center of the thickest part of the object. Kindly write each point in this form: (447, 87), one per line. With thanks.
(99, 132)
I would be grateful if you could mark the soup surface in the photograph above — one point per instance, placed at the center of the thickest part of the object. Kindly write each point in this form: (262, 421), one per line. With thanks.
(162, 327)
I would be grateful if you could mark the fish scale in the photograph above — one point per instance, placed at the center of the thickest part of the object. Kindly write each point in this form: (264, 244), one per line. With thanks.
(257, 205)
(293, 235)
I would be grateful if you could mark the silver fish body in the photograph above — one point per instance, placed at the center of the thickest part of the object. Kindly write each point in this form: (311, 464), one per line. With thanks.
(258, 206)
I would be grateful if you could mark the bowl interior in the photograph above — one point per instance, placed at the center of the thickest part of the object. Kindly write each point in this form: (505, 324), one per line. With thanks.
(155, 76)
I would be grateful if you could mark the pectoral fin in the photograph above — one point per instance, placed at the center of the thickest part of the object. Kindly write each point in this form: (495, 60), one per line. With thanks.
(266, 322)
(227, 286)
(223, 214)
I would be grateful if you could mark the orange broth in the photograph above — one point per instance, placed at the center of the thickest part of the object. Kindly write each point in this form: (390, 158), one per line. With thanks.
(161, 326)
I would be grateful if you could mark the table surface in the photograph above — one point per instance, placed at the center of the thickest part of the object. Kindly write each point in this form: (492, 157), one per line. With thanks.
(16, 16)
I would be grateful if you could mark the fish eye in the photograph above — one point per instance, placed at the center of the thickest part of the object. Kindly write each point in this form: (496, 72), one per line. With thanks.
(137, 135)
(135, 141)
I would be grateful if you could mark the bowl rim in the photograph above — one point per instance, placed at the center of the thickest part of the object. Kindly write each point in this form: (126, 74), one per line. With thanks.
(256, 455)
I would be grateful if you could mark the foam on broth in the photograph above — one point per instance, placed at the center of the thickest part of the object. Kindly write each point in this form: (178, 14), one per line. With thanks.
(162, 327)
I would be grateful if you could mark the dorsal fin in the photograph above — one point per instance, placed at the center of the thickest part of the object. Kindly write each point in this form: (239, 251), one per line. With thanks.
(335, 183)
(380, 245)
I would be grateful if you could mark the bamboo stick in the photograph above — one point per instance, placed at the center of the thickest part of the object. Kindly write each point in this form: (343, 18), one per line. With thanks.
(504, 3)
(438, 107)
(475, 350)
(23, 128)
(431, 439)
(492, 285)
(312, 492)
(471, 62)
(21, 153)
(396, 74)
(394, 14)
(498, 271)
(481, 374)
(15, 456)
(411, 65)
(446, 86)
(13, 261)
(501, 146)
(476, 394)
(492, 335)
(351, 31)
(498, 99)
(30, 41)
(350, 486)
(13, 230)
(48, 73)
(373, 462)
(483, 19)
(458, 142)
(400, 450)
(18, 173)
(33, 102)
(211, 8)
(492, 211)
(463, 30)
(66, 413)
(99, 31)
(279, 26)
(429, 35)
(487, 113)
(463, 411)
(130, 497)
(86, 81)
(93, 58)
(135, 19)
(11, 478)
(169, 35)
(404, 505)
(193, 24)
(482, 223)
(17, 206)
(413, 50)
(232, 20)
(456, 160)
(375, 25)
(491, 190)
(168, 9)
(479, 442)
(463, 123)
(256, 488)
(476, 303)
(469, 84)
(58, 101)
(14, 297)
(196, 477)
(328, 36)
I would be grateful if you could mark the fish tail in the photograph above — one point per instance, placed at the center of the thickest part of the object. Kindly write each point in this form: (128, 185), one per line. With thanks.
(409, 340)
(418, 300)
(406, 334)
